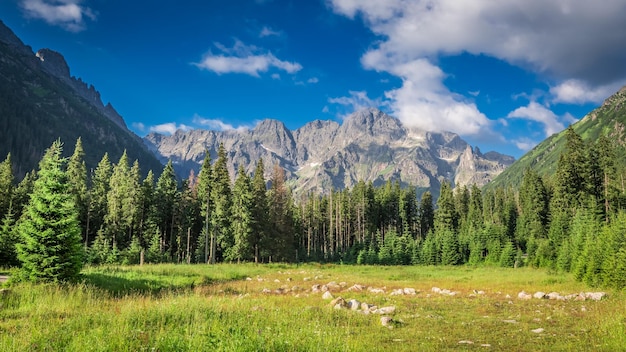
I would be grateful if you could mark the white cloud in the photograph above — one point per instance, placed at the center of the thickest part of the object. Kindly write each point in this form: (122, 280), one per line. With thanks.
(275, 76)
(246, 59)
(524, 144)
(269, 32)
(558, 39)
(313, 80)
(139, 126)
(69, 14)
(169, 128)
(578, 92)
(357, 100)
(217, 124)
(539, 113)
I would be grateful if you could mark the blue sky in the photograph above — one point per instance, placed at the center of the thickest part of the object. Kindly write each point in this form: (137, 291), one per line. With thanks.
(503, 74)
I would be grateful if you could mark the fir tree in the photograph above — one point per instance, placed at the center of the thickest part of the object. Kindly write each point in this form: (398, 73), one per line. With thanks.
(6, 185)
(98, 204)
(242, 218)
(8, 240)
(260, 211)
(222, 202)
(166, 193)
(205, 185)
(77, 178)
(50, 232)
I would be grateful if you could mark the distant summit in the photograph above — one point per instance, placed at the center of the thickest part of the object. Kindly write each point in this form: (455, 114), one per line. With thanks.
(369, 145)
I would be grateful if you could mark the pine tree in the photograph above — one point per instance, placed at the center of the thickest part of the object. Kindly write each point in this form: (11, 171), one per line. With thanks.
(260, 212)
(50, 232)
(242, 218)
(77, 178)
(281, 217)
(205, 247)
(166, 193)
(8, 240)
(426, 214)
(21, 194)
(6, 185)
(98, 203)
(120, 198)
(222, 202)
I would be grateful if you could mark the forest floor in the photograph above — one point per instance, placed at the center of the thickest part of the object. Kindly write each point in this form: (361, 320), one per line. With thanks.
(246, 307)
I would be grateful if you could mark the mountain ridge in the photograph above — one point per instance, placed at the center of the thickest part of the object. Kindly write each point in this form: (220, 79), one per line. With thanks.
(369, 145)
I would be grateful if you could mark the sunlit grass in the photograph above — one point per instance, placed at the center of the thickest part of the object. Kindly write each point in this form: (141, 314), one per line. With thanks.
(223, 308)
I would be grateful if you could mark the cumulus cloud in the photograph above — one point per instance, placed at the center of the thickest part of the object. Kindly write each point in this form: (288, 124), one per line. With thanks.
(69, 14)
(169, 128)
(313, 80)
(246, 59)
(525, 144)
(575, 91)
(539, 113)
(357, 100)
(562, 40)
(217, 124)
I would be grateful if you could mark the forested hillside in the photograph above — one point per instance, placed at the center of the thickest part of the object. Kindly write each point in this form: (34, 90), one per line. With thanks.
(574, 223)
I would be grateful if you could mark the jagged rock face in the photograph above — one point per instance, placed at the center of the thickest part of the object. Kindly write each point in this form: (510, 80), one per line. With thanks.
(369, 145)
(53, 62)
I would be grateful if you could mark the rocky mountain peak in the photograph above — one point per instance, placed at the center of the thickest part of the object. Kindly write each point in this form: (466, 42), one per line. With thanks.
(54, 63)
(373, 122)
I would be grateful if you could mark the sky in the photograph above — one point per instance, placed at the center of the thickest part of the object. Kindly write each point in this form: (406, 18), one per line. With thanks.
(504, 74)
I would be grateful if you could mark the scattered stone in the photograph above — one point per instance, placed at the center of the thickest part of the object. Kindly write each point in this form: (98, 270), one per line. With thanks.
(343, 284)
(507, 296)
(524, 296)
(332, 286)
(510, 321)
(583, 309)
(436, 290)
(553, 295)
(386, 322)
(466, 342)
(376, 290)
(356, 288)
(397, 292)
(338, 303)
(266, 290)
(277, 281)
(479, 292)
(538, 330)
(595, 296)
(353, 304)
(280, 291)
(289, 279)
(307, 279)
(327, 295)
(296, 288)
(366, 307)
(248, 279)
(385, 310)
(409, 291)
(539, 295)
(485, 345)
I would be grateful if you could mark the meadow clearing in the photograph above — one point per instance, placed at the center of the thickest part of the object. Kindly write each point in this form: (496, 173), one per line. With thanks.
(247, 307)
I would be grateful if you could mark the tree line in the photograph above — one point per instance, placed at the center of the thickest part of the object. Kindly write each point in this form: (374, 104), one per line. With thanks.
(573, 221)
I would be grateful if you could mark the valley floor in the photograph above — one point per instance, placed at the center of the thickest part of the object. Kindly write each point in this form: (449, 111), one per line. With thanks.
(285, 308)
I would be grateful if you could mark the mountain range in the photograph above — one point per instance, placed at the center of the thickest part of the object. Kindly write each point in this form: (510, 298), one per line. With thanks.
(41, 102)
(369, 145)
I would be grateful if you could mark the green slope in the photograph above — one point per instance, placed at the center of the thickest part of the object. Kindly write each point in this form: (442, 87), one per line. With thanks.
(609, 120)
(37, 108)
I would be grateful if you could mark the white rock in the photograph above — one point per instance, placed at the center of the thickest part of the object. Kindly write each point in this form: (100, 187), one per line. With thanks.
(595, 296)
(523, 295)
(553, 295)
(376, 290)
(316, 288)
(327, 295)
(356, 288)
(386, 321)
(276, 280)
(466, 342)
(248, 279)
(266, 290)
(385, 310)
(409, 291)
(353, 304)
(436, 290)
(538, 330)
(397, 292)
(539, 295)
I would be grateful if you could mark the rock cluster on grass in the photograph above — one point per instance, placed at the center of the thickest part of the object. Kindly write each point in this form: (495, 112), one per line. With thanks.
(445, 292)
(582, 296)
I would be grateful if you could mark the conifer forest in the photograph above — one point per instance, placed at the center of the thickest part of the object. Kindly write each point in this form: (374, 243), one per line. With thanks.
(60, 217)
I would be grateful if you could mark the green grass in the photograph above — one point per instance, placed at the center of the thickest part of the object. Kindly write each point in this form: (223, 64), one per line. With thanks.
(222, 308)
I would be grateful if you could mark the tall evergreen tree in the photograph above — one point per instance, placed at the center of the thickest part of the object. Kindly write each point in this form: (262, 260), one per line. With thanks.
(222, 201)
(50, 248)
(426, 214)
(166, 193)
(8, 240)
(120, 199)
(98, 203)
(242, 218)
(281, 217)
(77, 178)
(205, 186)
(260, 213)
(6, 185)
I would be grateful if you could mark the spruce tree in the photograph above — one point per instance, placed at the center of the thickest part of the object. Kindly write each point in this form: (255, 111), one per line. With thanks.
(8, 240)
(166, 193)
(426, 214)
(222, 201)
(260, 213)
(242, 218)
(50, 248)
(77, 178)
(6, 185)
(98, 204)
(205, 185)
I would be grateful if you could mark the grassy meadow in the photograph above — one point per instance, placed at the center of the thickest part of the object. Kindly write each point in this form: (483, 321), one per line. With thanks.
(248, 307)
